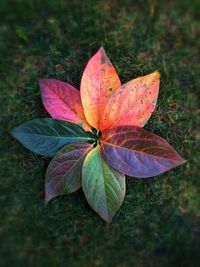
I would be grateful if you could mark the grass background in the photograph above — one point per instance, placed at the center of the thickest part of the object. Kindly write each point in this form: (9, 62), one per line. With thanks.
(158, 223)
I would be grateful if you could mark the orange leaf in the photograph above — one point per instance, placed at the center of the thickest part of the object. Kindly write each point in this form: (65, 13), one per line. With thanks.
(98, 82)
(132, 103)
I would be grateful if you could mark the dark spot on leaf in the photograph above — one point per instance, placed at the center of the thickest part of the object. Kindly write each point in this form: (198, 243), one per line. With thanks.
(110, 89)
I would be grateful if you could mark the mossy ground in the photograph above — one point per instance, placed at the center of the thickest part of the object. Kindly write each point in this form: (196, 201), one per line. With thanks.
(158, 223)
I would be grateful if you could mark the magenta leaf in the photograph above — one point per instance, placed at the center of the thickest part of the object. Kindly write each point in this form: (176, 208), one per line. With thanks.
(63, 175)
(63, 101)
(138, 153)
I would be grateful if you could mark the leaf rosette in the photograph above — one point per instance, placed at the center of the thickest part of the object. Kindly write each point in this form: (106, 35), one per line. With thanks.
(95, 135)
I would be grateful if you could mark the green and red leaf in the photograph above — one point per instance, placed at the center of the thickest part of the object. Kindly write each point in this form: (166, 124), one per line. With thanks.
(63, 175)
(104, 187)
(132, 103)
(138, 153)
(98, 83)
(63, 101)
(47, 136)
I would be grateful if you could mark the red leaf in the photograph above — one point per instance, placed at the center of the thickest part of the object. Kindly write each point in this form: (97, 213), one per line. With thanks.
(99, 81)
(132, 103)
(138, 153)
(63, 101)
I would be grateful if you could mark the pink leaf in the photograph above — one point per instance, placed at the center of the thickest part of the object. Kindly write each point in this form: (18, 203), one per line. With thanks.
(63, 101)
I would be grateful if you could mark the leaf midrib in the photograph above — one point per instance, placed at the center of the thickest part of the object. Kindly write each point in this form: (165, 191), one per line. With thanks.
(104, 184)
(76, 162)
(61, 137)
(137, 151)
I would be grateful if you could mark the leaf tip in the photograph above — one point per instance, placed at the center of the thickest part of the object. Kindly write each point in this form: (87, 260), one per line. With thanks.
(179, 160)
(182, 161)
(157, 74)
(107, 218)
(101, 49)
(41, 81)
(48, 197)
(14, 132)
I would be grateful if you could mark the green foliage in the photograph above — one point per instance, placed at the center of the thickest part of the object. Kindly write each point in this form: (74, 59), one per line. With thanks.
(46, 136)
(104, 187)
(158, 223)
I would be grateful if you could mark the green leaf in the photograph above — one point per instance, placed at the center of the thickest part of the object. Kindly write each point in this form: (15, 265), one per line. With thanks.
(63, 175)
(47, 136)
(104, 187)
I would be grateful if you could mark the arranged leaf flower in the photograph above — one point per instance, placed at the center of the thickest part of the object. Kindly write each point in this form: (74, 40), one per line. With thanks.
(95, 136)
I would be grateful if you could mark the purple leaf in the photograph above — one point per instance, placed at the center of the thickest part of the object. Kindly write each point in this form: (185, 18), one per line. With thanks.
(63, 175)
(138, 153)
